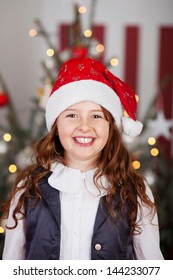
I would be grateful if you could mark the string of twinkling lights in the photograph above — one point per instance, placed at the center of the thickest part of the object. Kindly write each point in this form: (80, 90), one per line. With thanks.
(97, 47)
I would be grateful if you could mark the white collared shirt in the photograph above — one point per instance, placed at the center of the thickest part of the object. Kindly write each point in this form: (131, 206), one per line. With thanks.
(79, 203)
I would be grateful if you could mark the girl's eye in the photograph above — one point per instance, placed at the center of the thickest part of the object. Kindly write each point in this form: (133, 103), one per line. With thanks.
(97, 117)
(72, 116)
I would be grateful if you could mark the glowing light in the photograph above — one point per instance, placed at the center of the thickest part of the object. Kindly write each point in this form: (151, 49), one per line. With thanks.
(32, 32)
(125, 114)
(137, 98)
(100, 48)
(114, 61)
(82, 10)
(87, 33)
(7, 137)
(154, 152)
(1, 230)
(151, 141)
(50, 52)
(136, 164)
(12, 168)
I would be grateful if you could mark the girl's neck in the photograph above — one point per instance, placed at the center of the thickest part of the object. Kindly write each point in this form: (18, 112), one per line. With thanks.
(82, 165)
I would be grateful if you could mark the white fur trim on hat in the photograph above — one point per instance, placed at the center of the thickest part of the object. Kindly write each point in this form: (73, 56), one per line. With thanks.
(79, 91)
(131, 128)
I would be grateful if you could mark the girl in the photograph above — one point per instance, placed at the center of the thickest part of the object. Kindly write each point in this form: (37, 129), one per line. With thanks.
(81, 198)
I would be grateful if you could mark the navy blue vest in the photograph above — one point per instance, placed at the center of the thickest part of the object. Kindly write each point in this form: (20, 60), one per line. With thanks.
(110, 240)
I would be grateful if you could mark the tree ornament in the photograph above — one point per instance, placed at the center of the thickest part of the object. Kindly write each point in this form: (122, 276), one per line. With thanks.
(24, 157)
(150, 176)
(79, 51)
(160, 126)
(3, 99)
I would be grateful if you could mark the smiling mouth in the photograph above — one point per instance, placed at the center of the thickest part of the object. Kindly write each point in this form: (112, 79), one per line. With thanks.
(84, 140)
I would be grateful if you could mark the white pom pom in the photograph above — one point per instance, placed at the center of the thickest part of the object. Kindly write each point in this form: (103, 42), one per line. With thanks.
(131, 128)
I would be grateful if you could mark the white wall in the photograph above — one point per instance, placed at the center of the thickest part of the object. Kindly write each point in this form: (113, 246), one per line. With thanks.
(20, 55)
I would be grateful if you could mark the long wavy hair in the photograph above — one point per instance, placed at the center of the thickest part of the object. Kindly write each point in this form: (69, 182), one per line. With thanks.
(114, 163)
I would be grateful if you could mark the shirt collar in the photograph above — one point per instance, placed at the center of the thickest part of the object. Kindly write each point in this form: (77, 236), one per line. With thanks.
(69, 180)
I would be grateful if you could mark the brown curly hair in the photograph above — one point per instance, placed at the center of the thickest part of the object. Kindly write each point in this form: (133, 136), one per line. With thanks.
(115, 164)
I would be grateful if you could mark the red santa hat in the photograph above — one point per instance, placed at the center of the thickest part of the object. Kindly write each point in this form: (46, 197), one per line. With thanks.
(85, 79)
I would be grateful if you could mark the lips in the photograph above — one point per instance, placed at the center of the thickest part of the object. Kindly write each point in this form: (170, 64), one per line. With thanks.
(84, 140)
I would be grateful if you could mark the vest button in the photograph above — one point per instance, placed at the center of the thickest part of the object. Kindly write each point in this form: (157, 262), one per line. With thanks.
(98, 247)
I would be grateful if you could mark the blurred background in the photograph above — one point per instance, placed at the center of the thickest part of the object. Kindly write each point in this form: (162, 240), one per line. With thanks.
(134, 39)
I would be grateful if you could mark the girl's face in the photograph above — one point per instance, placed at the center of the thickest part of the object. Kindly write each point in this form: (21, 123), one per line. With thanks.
(83, 132)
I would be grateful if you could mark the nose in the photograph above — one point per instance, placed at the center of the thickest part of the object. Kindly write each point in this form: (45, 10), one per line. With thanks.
(85, 124)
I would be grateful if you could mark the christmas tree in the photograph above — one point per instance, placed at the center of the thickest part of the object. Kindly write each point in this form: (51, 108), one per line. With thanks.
(152, 161)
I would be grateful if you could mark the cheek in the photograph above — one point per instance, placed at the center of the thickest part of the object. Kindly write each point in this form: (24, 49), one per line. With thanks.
(106, 135)
(62, 134)
(64, 130)
(103, 132)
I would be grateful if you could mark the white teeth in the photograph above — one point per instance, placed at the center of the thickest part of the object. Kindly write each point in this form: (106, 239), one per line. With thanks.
(83, 140)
